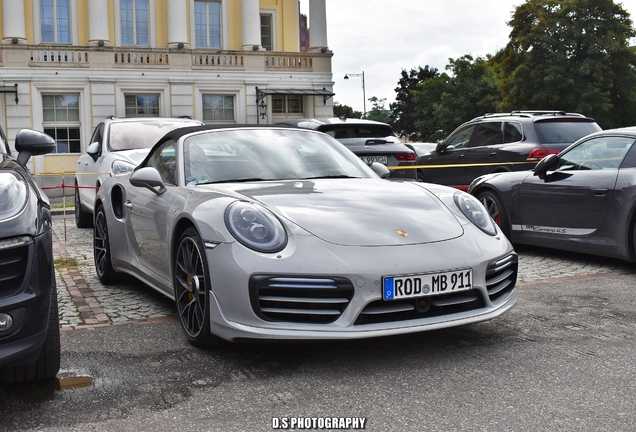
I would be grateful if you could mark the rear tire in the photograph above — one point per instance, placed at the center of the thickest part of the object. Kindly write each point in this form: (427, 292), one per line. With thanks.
(83, 219)
(101, 249)
(496, 210)
(48, 363)
(421, 177)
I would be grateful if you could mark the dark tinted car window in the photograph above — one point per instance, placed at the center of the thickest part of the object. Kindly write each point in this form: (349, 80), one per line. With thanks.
(487, 134)
(98, 135)
(460, 138)
(163, 159)
(345, 131)
(564, 131)
(512, 132)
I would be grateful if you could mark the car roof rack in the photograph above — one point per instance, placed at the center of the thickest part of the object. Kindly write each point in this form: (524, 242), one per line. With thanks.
(529, 113)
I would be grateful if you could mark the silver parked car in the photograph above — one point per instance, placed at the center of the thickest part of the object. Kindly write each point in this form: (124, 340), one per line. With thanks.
(117, 146)
(282, 233)
(372, 141)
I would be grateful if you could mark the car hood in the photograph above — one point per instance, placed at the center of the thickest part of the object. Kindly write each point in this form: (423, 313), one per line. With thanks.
(360, 212)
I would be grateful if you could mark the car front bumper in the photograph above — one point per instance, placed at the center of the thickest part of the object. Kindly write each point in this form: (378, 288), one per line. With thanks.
(25, 295)
(234, 301)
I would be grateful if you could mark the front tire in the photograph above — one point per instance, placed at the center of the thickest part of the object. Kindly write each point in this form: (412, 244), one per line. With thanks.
(496, 210)
(101, 249)
(83, 219)
(191, 289)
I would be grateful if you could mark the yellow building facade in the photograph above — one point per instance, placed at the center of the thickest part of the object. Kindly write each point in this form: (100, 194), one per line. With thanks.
(67, 64)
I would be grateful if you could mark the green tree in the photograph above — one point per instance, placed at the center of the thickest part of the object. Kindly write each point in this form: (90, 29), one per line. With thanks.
(571, 55)
(442, 103)
(403, 116)
(378, 112)
(345, 111)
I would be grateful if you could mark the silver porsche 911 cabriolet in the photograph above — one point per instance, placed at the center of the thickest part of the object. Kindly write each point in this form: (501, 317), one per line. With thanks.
(268, 232)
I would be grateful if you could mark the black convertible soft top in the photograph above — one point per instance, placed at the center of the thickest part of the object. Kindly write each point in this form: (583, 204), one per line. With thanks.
(175, 134)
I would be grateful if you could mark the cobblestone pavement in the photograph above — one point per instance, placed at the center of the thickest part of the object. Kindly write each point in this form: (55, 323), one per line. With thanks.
(83, 300)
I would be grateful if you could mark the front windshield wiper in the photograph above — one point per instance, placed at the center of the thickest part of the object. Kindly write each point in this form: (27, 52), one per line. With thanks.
(239, 180)
(330, 177)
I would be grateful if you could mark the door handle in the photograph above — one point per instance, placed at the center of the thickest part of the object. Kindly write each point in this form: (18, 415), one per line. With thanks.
(599, 192)
(493, 154)
(128, 205)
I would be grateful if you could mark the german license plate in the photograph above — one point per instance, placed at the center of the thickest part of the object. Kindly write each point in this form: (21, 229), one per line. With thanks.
(430, 284)
(370, 159)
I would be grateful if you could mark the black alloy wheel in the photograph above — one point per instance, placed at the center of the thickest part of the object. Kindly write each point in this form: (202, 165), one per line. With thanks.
(496, 210)
(101, 249)
(191, 286)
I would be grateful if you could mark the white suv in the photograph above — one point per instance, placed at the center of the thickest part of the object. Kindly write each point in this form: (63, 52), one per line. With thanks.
(117, 146)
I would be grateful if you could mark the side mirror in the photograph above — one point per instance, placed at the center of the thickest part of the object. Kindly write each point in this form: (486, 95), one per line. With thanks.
(381, 170)
(32, 143)
(546, 164)
(440, 147)
(93, 150)
(149, 178)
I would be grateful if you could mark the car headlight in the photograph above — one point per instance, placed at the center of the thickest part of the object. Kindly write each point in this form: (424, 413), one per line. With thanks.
(475, 212)
(120, 167)
(13, 195)
(255, 227)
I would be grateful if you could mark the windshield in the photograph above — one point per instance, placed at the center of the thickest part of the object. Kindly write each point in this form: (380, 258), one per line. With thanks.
(141, 134)
(564, 131)
(267, 154)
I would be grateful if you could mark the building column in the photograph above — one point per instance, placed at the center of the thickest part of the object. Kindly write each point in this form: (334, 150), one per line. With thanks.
(318, 26)
(251, 26)
(13, 18)
(177, 24)
(98, 23)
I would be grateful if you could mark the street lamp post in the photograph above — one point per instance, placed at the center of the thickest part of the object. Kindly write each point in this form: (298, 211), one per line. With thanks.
(364, 96)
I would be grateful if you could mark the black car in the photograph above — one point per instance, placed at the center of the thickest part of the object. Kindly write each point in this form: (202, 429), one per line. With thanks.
(370, 140)
(582, 200)
(29, 321)
(502, 142)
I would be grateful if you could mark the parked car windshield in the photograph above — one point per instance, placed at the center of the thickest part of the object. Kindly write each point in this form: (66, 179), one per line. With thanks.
(267, 154)
(564, 131)
(140, 134)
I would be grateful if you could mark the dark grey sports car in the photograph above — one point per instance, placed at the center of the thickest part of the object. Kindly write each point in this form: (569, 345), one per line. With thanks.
(582, 200)
(283, 233)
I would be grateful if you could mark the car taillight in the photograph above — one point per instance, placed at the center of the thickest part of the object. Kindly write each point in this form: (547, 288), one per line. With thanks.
(538, 154)
(405, 157)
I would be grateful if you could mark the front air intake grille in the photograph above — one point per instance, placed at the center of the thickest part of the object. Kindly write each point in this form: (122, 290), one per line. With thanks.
(306, 299)
(381, 311)
(501, 276)
(14, 261)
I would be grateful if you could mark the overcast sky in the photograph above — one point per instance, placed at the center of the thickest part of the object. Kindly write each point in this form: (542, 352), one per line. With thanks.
(381, 38)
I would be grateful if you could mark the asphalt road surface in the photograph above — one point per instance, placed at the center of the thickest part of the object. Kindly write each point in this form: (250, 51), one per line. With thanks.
(561, 360)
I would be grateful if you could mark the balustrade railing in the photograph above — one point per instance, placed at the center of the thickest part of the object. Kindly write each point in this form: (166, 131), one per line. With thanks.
(59, 56)
(217, 60)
